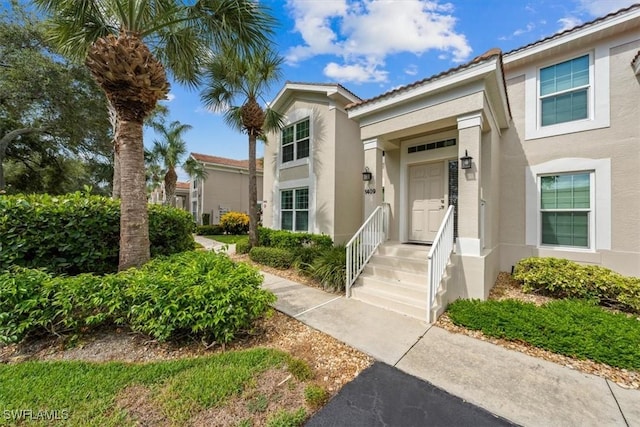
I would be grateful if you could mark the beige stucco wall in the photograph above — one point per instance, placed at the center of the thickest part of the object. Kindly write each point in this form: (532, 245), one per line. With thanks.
(331, 172)
(226, 188)
(620, 142)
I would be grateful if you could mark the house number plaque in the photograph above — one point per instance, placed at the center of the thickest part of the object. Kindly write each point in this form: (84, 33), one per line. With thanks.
(370, 191)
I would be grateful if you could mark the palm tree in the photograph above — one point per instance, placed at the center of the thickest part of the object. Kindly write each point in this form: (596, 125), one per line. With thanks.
(125, 43)
(168, 153)
(230, 76)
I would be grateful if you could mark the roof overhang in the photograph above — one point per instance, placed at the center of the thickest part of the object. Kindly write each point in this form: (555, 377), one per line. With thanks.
(334, 92)
(636, 64)
(486, 75)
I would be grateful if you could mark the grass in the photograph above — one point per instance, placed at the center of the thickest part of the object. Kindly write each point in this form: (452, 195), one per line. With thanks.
(229, 239)
(87, 391)
(570, 327)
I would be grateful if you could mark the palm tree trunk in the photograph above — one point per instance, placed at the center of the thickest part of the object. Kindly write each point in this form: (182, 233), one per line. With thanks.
(113, 120)
(253, 192)
(170, 180)
(134, 220)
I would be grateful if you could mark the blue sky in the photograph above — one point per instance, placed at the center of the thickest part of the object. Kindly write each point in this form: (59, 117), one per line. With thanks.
(372, 46)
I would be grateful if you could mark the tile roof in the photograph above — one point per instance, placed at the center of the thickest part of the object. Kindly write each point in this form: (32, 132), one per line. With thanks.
(242, 164)
(338, 85)
(183, 185)
(571, 30)
(491, 53)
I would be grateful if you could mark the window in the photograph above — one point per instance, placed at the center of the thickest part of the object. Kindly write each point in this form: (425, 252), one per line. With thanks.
(294, 208)
(564, 91)
(565, 210)
(295, 141)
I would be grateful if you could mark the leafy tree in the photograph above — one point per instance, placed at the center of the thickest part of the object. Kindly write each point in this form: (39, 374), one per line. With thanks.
(233, 76)
(126, 44)
(168, 153)
(53, 121)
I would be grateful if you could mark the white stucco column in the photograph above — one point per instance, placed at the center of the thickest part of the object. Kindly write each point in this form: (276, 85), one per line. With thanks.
(372, 190)
(469, 139)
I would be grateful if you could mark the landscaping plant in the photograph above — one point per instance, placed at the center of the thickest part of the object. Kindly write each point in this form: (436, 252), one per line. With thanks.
(562, 278)
(273, 257)
(571, 327)
(235, 223)
(330, 268)
(79, 233)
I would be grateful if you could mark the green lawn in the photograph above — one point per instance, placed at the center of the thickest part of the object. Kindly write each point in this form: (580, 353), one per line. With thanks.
(570, 327)
(228, 238)
(86, 392)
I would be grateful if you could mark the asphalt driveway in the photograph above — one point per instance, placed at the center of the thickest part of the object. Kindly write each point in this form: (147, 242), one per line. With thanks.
(385, 396)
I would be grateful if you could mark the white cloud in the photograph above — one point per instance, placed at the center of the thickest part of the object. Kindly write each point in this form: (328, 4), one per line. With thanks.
(205, 110)
(591, 9)
(170, 97)
(568, 22)
(364, 32)
(602, 7)
(356, 73)
(411, 70)
(530, 26)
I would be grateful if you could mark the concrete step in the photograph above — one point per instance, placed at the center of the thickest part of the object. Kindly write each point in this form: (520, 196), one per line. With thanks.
(417, 252)
(415, 292)
(390, 301)
(410, 265)
(395, 274)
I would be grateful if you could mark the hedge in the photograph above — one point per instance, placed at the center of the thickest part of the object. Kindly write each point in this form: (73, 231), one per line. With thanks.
(204, 295)
(273, 257)
(78, 233)
(562, 278)
(209, 230)
(290, 240)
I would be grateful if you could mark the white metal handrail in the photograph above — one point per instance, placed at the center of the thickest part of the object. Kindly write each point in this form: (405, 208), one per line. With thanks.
(364, 243)
(438, 258)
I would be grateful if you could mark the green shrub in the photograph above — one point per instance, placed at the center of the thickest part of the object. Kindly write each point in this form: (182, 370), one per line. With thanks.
(200, 294)
(290, 240)
(571, 327)
(273, 257)
(567, 279)
(78, 233)
(304, 257)
(209, 230)
(235, 223)
(243, 247)
(170, 230)
(315, 396)
(330, 268)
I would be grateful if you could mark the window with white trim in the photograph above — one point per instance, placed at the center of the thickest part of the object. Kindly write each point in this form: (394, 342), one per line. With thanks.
(565, 91)
(295, 141)
(566, 210)
(294, 209)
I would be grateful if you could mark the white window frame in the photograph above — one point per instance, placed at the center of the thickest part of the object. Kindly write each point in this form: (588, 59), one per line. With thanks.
(294, 210)
(588, 86)
(591, 212)
(598, 96)
(295, 142)
(600, 187)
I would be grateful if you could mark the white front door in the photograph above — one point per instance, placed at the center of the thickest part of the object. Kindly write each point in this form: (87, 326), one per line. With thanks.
(426, 200)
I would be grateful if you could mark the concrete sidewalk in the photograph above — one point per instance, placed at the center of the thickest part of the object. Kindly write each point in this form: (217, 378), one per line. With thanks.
(512, 385)
(214, 245)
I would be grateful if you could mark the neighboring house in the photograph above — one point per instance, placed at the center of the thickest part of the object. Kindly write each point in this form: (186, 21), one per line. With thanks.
(551, 134)
(158, 195)
(225, 188)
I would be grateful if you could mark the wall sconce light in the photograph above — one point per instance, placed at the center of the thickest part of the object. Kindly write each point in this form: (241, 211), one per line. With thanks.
(465, 161)
(367, 175)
